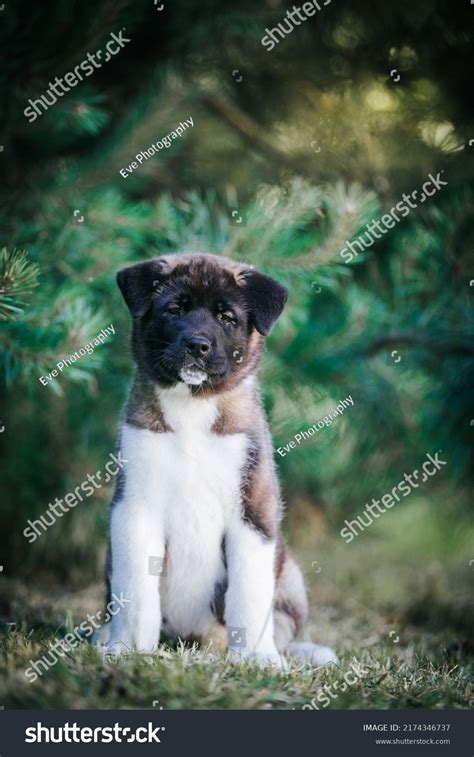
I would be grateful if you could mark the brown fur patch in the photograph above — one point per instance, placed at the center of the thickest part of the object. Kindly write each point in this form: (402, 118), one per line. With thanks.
(290, 595)
(143, 408)
(260, 501)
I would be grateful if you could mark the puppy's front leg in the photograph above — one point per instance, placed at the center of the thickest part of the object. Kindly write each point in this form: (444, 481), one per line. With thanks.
(249, 598)
(137, 544)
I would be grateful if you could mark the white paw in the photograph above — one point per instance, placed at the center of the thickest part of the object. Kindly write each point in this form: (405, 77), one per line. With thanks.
(113, 651)
(262, 659)
(312, 654)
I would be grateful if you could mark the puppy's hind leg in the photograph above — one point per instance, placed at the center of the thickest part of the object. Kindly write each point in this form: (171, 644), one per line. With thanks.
(290, 614)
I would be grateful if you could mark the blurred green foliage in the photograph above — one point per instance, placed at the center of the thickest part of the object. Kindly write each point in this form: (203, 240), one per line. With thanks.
(314, 142)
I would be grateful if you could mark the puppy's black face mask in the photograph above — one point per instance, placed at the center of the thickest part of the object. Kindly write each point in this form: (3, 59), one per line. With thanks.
(196, 333)
(194, 318)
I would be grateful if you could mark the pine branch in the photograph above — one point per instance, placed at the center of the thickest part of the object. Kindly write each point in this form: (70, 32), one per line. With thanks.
(254, 133)
(347, 210)
(17, 275)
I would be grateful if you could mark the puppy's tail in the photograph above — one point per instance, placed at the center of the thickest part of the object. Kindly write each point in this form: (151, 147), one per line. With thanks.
(311, 654)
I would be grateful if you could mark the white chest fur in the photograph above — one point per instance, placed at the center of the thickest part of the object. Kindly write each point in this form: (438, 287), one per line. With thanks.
(185, 485)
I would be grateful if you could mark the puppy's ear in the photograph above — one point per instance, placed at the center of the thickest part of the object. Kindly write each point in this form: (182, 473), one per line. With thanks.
(266, 299)
(138, 283)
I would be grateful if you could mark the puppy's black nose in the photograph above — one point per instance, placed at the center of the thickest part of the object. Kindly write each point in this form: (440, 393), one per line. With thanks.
(198, 346)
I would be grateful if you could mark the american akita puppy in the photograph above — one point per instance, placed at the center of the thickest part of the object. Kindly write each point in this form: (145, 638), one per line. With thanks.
(195, 539)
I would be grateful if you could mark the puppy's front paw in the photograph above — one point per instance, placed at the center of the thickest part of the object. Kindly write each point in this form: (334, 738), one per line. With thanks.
(262, 659)
(312, 654)
(276, 660)
(113, 651)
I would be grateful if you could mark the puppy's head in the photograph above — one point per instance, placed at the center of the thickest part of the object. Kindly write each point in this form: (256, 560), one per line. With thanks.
(199, 319)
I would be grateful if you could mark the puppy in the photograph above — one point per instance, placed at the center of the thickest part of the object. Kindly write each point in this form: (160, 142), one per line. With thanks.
(195, 541)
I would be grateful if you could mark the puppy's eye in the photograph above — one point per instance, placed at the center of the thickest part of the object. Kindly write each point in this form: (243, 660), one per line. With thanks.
(175, 310)
(226, 316)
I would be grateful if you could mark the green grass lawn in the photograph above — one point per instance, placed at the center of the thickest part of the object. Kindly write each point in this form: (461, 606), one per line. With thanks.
(396, 603)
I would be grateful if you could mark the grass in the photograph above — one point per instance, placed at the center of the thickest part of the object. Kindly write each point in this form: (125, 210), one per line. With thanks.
(397, 601)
